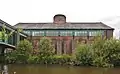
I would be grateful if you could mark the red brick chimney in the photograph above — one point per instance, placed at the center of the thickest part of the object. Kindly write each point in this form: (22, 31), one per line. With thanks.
(59, 19)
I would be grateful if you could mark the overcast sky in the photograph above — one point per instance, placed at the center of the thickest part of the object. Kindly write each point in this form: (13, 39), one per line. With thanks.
(15, 11)
(107, 11)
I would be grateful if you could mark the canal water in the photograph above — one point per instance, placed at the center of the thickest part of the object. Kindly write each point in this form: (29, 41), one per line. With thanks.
(44, 69)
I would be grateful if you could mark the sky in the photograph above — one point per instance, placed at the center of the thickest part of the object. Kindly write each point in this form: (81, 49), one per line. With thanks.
(15, 11)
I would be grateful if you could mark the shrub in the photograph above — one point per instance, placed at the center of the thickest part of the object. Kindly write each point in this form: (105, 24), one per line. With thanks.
(21, 54)
(112, 51)
(101, 53)
(54, 59)
(106, 53)
(33, 59)
(83, 55)
(98, 55)
(24, 47)
(45, 46)
(11, 57)
(61, 59)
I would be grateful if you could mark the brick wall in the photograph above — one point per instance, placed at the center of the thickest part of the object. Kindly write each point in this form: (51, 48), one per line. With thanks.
(65, 45)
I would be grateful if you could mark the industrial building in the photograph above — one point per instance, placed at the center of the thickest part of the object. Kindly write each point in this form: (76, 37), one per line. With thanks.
(65, 34)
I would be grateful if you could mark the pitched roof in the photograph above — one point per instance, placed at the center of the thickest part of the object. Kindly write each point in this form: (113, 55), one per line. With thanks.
(8, 26)
(86, 25)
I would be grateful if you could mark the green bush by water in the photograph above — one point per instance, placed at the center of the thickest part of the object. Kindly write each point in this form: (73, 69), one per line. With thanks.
(83, 55)
(45, 54)
(101, 53)
(21, 54)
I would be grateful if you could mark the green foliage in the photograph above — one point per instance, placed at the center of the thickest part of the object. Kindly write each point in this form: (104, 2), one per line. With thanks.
(45, 46)
(107, 53)
(112, 48)
(83, 55)
(33, 59)
(55, 59)
(45, 59)
(4, 35)
(19, 30)
(101, 53)
(62, 59)
(24, 47)
(99, 58)
(21, 54)
(11, 57)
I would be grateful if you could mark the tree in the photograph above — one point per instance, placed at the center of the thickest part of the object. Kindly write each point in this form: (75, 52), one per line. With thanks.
(45, 46)
(4, 35)
(83, 54)
(24, 46)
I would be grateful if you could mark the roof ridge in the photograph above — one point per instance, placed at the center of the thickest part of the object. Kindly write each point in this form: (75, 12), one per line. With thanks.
(53, 23)
(8, 24)
(71, 25)
(107, 25)
(36, 23)
(84, 22)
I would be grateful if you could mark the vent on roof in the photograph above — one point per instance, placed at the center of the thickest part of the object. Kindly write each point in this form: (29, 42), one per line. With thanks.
(59, 19)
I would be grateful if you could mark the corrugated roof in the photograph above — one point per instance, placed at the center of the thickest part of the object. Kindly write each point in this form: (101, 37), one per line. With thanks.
(86, 25)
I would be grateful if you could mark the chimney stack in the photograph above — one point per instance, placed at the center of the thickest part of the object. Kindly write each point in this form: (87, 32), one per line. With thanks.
(59, 19)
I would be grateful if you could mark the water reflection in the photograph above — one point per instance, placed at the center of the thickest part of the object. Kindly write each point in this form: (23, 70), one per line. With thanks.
(4, 69)
(44, 69)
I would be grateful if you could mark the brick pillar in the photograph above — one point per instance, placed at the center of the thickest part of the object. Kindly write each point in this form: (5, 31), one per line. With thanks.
(68, 46)
(59, 47)
(65, 47)
(54, 45)
(73, 45)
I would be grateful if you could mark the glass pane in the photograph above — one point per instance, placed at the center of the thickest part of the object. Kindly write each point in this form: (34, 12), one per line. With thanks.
(38, 33)
(52, 33)
(65, 33)
(95, 33)
(27, 32)
(80, 33)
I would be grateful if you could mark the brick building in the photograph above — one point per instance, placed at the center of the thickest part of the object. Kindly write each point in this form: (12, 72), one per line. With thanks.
(65, 34)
